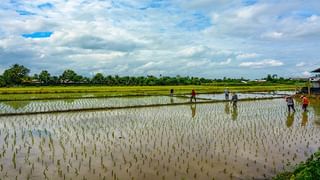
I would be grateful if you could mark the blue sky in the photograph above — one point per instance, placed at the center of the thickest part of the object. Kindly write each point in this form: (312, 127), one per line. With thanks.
(205, 38)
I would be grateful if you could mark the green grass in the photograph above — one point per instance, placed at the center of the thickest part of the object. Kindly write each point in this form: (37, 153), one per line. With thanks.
(60, 92)
(308, 170)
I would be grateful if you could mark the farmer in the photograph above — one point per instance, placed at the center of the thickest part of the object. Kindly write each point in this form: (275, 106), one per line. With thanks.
(226, 94)
(290, 103)
(305, 103)
(171, 92)
(234, 99)
(193, 95)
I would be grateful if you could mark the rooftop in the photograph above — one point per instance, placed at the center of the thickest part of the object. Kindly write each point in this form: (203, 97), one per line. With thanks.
(316, 71)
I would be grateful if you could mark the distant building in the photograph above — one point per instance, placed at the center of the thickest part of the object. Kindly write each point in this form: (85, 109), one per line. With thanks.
(315, 80)
(260, 80)
(314, 84)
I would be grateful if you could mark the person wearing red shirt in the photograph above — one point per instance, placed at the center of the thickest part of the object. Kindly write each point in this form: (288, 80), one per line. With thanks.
(193, 95)
(305, 103)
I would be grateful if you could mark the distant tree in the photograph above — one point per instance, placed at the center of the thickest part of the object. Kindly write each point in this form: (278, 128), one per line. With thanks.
(98, 79)
(69, 76)
(35, 76)
(269, 77)
(109, 80)
(2, 82)
(274, 76)
(15, 74)
(44, 77)
(54, 80)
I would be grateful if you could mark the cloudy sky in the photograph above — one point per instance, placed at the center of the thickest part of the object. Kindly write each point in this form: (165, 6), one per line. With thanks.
(205, 38)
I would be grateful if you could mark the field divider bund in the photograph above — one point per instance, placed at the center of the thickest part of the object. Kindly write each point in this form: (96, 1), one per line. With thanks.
(132, 107)
(118, 96)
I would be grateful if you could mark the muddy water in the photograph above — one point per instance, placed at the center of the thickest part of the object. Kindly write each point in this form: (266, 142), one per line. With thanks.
(253, 140)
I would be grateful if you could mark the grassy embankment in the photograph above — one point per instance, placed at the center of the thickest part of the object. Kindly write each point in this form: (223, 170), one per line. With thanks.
(69, 92)
(308, 170)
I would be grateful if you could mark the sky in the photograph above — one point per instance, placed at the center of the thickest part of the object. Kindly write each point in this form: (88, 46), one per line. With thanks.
(203, 38)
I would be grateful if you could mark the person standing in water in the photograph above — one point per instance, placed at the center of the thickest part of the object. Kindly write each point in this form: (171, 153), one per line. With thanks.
(193, 95)
(290, 103)
(305, 103)
(234, 99)
(171, 92)
(226, 94)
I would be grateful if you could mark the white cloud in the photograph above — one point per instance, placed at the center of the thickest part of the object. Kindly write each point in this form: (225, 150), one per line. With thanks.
(247, 56)
(306, 74)
(301, 64)
(192, 51)
(273, 35)
(103, 36)
(262, 64)
(228, 61)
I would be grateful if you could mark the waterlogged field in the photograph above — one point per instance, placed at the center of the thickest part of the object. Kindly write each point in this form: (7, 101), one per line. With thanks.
(70, 104)
(221, 96)
(205, 141)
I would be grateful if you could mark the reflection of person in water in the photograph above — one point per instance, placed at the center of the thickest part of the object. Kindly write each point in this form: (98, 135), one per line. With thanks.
(227, 108)
(171, 100)
(304, 119)
(234, 99)
(234, 114)
(193, 110)
(290, 119)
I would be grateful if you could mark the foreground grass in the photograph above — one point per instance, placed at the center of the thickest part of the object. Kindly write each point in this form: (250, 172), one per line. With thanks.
(29, 93)
(308, 170)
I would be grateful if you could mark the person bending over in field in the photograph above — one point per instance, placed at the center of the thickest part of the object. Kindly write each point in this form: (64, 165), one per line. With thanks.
(234, 99)
(193, 95)
(290, 103)
(305, 103)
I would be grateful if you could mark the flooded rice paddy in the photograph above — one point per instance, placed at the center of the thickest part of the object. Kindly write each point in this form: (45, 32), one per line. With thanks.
(254, 140)
(70, 104)
(24, 106)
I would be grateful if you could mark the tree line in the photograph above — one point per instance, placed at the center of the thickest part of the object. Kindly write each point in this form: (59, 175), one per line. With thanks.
(18, 75)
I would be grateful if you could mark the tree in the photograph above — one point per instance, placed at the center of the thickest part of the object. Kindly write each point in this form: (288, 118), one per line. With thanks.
(44, 77)
(269, 77)
(15, 74)
(98, 79)
(69, 76)
(2, 82)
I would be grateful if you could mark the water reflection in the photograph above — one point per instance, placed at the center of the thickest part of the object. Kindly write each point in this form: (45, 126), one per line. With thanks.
(234, 114)
(171, 100)
(227, 108)
(315, 105)
(193, 110)
(290, 120)
(16, 104)
(304, 119)
(68, 101)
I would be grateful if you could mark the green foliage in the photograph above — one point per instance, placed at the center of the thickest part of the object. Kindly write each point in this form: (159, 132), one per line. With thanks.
(69, 76)
(98, 79)
(15, 74)
(308, 170)
(2, 81)
(44, 77)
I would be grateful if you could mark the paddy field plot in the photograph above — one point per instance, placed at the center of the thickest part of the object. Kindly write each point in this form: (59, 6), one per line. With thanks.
(71, 104)
(256, 139)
